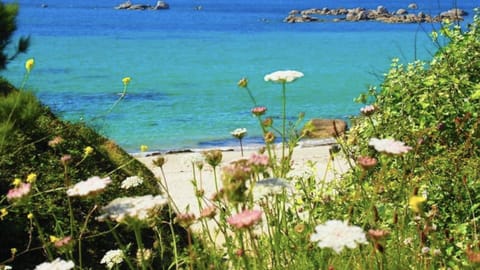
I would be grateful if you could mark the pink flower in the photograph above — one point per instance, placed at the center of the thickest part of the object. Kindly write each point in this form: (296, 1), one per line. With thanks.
(368, 110)
(245, 219)
(389, 146)
(258, 160)
(259, 110)
(366, 162)
(18, 192)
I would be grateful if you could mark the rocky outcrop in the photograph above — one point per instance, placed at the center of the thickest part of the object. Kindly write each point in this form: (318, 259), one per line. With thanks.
(129, 6)
(381, 14)
(324, 128)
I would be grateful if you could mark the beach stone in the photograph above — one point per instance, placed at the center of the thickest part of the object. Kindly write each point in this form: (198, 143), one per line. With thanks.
(324, 128)
(161, 5)
(401, 12)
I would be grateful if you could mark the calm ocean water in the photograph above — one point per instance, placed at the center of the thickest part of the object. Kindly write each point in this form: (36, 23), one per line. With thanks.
(185, 63)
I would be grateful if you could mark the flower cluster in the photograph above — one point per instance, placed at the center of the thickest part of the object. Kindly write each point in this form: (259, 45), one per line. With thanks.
(245, 219)
(130, 182)
(90, 186)
(389, 146)
(138, 208)
(19, 191)
(112, 258)
(283, 76)
(336, 234)
(57, 264)
(239, 133)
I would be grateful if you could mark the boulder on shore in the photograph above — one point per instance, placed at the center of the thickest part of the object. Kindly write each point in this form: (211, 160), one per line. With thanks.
(318, 128)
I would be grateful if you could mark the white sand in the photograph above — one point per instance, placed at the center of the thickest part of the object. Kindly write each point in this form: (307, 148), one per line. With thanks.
(179, 174)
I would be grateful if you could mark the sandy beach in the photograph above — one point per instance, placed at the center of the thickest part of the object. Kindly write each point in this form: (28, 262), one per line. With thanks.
(179, 174)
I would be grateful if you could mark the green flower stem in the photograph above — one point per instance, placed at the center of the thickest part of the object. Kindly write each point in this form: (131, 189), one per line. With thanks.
(284, 127)
(251, 96)
(122, 246)
(138, 239)
(42, 239)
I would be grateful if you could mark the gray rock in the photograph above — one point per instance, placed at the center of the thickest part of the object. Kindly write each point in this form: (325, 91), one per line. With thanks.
(412, 6)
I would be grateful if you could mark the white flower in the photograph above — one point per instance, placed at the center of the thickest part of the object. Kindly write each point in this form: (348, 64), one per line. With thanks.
(112, 258)
(57, 264)
(91, 185)
(283, 76)
(389, 146)
(270, 186)
(239, 133)
(139, 208)
(132, 181)
(336, 234)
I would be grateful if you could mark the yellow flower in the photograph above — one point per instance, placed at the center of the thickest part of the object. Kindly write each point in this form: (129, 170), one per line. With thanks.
(143, 148)
(243, 83)
(31, 178)
(29, 64)
(53, 239)
(3, 213)
(16, 182)
(13, 251)
(88, 150)
(30, 216)
(416, 202)
(126, 80)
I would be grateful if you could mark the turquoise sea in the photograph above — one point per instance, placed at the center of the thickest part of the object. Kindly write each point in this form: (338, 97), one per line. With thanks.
(185, 63)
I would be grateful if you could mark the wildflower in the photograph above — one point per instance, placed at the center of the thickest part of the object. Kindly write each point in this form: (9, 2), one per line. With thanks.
(245, 219)
(88, 150)
(268, 122)
(258, 160)
(13, 251)
(378, 234)
(144, 255)
(208, 212)
(213, 157)
(368, 110)
(62, 242)
(112, 258)
(18, 192)
(92, 185)
(159, 161)
(283, 76)
(239, 133)
(336, 234)
(143, 148)
(31, 178)
(16, 182)
(53, 239)
(29, 64)
(130, 182)
(57, 264)
(389, 146)
(126, 80)
(366, 162)
(138, 208)
(30, 216)
(65, 159)
(55, 141)
(185, 219)
(425, 250)
(415, 202)
(270, 186)
(243, 83)
(269, 137)
(3, 213)
(259, 110)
